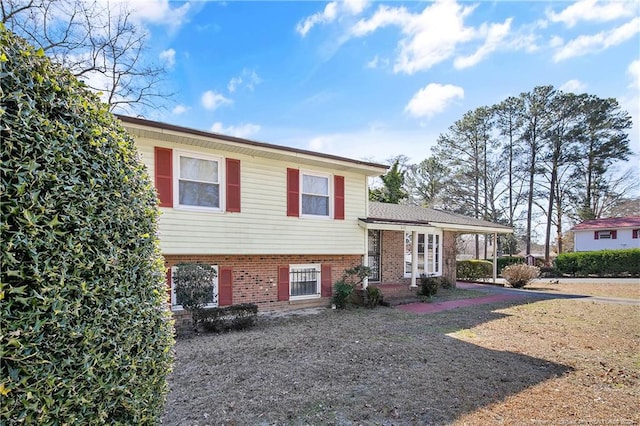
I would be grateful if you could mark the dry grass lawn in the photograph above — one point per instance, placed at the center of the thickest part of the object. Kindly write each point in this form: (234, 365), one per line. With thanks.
(558, 361)
(624, 289)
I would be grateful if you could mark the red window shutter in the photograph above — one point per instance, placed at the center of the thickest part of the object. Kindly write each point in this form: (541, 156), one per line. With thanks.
(233, 185)
(614, 234)
(326, 281)
(283, 283)
(163, 175)
(635, 233)
(595, 235)
(168, 279)
(293, 193)
(338, 205)
(225, 287)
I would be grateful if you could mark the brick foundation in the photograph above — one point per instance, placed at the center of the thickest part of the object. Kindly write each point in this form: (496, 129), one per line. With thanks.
(255, 277)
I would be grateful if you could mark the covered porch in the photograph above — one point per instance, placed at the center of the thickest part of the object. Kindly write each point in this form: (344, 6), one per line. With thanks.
(405, 242)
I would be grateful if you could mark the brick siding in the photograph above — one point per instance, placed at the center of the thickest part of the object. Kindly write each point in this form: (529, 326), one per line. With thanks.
(255, 277)
(392, 257)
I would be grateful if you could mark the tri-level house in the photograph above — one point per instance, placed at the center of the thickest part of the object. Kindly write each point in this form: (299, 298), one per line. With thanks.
(280, 224)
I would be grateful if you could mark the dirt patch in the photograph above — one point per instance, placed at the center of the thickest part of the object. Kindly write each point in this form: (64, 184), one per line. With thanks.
(554, 361)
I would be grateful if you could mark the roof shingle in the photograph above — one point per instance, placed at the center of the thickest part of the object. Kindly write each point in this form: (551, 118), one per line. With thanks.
(609, 223)
(421, 215)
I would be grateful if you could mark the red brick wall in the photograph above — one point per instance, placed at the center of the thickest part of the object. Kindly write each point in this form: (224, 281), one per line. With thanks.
(255, 277)
(392, 268)
(449, 253)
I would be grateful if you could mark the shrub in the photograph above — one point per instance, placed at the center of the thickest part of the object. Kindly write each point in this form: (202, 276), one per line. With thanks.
(428, 286)
(374, 296)
(192, 284)
(502, 262)
(519, 275)
(473, 270)
(342, 294)
(343, 289)
(234, 317)
(86, 335)
(600, 263)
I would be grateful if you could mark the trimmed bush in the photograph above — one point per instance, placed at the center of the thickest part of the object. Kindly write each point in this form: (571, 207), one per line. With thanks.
(428, 286)
(374, 296)
(86, 335)
(192, 284)
(603, 263)
(473, 270)
(343, 291)
(519, 275)
(502, 262)
(234, 317)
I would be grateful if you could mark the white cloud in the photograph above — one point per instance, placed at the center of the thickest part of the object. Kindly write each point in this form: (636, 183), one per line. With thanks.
(212, 100)
(331, 12)
(234, 83)
(327, 15)
(593, 10)
(169, 56)
(248, 79)
(429, 38)
(586, 44)
(495, 35)
(573, 86)
(180, 109)
(433, 99)
(633, 71)
(158, 12)
(241, 131)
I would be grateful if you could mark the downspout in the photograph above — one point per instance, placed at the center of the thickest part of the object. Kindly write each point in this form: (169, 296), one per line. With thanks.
(414, 258)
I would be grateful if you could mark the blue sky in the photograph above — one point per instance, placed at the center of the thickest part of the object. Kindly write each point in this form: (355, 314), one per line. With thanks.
(378, 79)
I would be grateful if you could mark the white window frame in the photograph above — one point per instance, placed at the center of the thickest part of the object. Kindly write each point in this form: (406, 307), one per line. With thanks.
(176, 180)
(436, 258)
(318, 269)
(329, 195)
(214, 289)
(605, 234)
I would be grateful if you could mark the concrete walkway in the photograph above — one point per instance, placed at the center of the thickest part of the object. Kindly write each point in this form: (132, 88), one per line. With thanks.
(497, 294)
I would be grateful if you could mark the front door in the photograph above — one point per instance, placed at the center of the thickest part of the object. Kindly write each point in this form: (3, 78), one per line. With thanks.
(374, 254)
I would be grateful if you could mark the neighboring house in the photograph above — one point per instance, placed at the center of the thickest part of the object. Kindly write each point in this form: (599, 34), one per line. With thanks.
(607, 234)
(280, 224)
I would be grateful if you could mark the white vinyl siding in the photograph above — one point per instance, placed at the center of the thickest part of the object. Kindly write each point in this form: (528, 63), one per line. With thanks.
(585, 241)
(263, 226)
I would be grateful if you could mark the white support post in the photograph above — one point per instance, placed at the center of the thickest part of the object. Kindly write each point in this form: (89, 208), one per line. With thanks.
(495, 257)
(414, 259)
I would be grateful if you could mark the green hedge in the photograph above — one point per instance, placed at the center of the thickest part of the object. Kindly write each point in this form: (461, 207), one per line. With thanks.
(85, 335)
(473, 270)
(600, 263)
(234, 317)
(503, 262)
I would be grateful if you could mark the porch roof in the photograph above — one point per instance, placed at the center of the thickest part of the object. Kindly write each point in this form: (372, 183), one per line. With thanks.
(404, 217)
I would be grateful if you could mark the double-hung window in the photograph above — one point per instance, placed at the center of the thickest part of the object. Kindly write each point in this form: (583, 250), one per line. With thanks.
(198, 182)
(304, 281)
(176, 303)
(315, 199)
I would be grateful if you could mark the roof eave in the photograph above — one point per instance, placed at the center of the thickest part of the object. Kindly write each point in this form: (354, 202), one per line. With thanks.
(183, 135)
